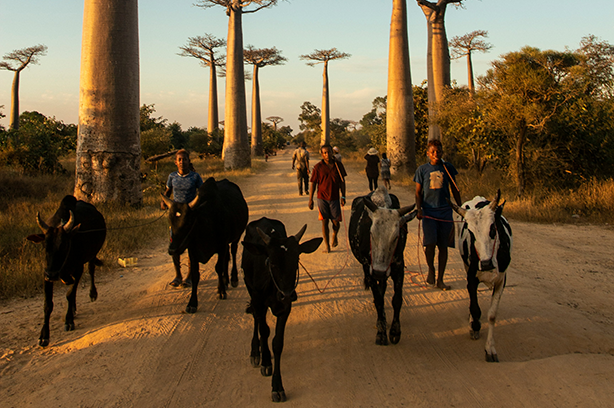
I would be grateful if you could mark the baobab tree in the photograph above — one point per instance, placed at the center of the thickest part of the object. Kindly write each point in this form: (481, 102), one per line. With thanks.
(324, 56)
(275, 120)
(203, 48)
(465, 45)
(108, 144)
(236, 151)
(438, 57)
(17, 61)
(400, 129)
(259, 57)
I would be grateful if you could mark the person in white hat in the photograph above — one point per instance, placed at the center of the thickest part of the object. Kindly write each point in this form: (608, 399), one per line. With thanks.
(372, 168)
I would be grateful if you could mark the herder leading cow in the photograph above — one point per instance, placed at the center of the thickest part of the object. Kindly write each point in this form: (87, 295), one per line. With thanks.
(485, 246)
(215, 219)
(72, 236)
(270, 263)
(377, 234)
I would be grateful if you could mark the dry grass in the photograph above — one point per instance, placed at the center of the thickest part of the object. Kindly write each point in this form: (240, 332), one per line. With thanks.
(130, 230)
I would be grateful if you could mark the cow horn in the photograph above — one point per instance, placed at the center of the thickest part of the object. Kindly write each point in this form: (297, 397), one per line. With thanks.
(370, 204)
(460, 211)
(494, 203)
(299, 234)
(265, 237)
(70, 223)
(405, 210)
(193, 203)
(42, 225)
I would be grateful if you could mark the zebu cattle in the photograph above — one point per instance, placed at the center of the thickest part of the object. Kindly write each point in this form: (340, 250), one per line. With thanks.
(270, 264)
(377, 234)
(215, 219)
(72, 236)
(485, 246)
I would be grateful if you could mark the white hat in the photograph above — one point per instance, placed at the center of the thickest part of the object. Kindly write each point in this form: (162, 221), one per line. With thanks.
(372, 151)
(336, 149)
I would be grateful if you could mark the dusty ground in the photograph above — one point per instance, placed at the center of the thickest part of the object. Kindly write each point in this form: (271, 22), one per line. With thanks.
(136, 347)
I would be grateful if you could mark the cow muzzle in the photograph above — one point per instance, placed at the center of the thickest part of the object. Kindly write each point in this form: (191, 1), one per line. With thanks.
(379, 275)
(487, 265)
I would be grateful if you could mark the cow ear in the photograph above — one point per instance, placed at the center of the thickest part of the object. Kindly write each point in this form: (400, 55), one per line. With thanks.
(36, 238)
(254, 249)
(74, 230)
(310, 246)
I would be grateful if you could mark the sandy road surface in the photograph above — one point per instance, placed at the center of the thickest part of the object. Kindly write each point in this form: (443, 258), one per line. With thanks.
(136, 347)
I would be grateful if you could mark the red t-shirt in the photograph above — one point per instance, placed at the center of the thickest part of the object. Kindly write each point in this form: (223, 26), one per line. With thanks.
(328, 180)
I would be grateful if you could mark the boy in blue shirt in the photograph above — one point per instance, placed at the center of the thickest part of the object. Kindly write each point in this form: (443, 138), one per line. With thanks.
(183, 184)
(434, 180)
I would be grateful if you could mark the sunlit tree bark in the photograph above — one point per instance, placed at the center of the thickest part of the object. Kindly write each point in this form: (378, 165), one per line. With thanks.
(400, 131)
(236, 151)
(324, 56)
(203, 49)
(465, 45)
(17, 61)
(259, 58)
(108, 145)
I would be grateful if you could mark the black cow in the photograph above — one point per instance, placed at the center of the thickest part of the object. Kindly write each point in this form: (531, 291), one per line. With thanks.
(73, 236)
(377, 234)
(215, 219)
(485, 246)
(270, 264)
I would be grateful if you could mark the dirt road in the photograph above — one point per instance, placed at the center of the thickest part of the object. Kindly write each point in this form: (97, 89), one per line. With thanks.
(135, 347)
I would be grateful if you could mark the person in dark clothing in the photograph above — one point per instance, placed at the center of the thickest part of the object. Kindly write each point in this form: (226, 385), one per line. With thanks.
(372, 168)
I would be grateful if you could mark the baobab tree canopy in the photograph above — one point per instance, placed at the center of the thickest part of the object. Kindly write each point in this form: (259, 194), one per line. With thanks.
(203, 48)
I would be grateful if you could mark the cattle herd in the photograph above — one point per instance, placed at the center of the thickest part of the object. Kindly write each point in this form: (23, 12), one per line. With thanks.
(214, 222)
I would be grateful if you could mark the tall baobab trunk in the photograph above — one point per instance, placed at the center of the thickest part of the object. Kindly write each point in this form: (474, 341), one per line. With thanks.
(236, 152)
(325, 138)
(14, 122)
(400, 129)
(257, 149)
(108, 144)
(434, 132)
(470, 80)
(213, 118)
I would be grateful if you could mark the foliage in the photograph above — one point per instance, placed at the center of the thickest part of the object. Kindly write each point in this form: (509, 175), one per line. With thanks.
(147, 121)
(274, 139)
(38, 144)
(179, 138)
(310, 124)
(155, 141)
(18, 60)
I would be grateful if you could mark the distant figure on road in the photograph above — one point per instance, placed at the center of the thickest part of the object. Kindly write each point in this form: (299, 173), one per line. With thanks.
(300, 160)
(337, 154)
(385, 169)
(372, 168)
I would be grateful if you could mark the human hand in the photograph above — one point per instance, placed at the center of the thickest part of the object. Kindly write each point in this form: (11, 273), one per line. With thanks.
(343, 201)
(419, 214)
(310, 203)
(163, 205)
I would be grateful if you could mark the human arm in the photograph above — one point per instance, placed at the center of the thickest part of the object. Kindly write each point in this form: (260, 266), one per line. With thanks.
(342, 188)
(311, 190)
(293, 160)
(419, 201)
(167, 193)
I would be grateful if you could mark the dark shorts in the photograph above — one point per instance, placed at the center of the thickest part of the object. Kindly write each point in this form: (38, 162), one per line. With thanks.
(329, 210)
(435, 231)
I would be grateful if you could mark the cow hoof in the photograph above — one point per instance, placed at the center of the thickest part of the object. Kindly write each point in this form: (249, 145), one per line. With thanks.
(395, 338)
(492, 358)
(222, 296)
(475, 334)
(69, 327)
(278, 396)
(381, 339)
(255, 360)
(234, 283)
(191, 309)
(266, 371)
(43, 342)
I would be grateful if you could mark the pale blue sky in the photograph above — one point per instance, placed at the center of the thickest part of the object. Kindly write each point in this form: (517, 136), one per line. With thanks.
(178, 86)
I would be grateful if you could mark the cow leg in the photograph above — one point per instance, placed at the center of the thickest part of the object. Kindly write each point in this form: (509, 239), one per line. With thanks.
(43, 340)
(91, 266)
(254, 357)
(367, 271)
(195, 276)
(397, 301)
(491, 353)
(234, 276)
(221, 267)
(474, 307)
(379, 289)
(260, 312)
(278, 394)
(71, 297)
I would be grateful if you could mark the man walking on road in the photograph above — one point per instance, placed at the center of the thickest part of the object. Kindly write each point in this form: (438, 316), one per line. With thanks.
(300, 160)
(328, 177)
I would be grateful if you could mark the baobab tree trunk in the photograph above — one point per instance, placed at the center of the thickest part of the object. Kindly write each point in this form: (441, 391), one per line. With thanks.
(470, 81)
(434, 132)
(325, 139)
(108, 143)
(14, 122)
(213, 119)
(256, 116)
(236, 152)
(400, 129)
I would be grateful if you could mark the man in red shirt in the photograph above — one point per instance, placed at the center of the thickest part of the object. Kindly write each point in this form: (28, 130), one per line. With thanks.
(329, 178)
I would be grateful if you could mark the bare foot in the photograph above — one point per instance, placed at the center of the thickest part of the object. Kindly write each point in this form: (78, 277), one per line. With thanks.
(326, 250)
(443, 286)
(430, 279)
(335, 243)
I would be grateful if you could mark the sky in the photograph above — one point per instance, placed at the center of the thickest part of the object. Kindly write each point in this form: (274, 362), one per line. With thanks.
(178, 86)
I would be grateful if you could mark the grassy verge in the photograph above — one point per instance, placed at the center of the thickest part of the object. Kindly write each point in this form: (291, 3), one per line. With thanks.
(131, 230)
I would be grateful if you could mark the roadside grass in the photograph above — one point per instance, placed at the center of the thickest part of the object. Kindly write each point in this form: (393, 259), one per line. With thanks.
(130, 229)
